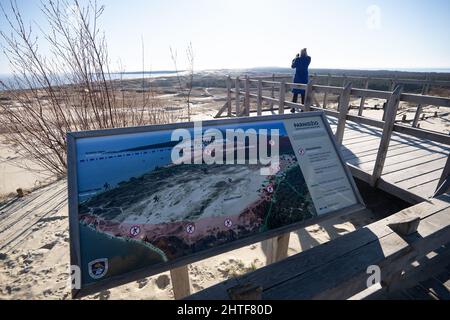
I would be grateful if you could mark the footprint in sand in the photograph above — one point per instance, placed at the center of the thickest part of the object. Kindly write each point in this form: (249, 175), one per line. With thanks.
(142, 283)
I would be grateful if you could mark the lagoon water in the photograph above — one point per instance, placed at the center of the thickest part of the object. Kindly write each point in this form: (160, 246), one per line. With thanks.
(8, 78)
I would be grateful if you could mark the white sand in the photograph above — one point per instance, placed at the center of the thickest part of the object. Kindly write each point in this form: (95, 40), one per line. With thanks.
(17, 172)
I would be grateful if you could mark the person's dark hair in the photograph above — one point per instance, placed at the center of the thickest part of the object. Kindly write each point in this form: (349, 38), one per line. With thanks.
(303, 53)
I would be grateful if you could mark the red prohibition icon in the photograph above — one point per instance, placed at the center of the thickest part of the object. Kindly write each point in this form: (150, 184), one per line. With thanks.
(228, 223)
(135, 231)
(190, 228)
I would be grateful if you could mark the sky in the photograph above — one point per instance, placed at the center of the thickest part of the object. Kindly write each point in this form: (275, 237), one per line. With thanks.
(226, 34)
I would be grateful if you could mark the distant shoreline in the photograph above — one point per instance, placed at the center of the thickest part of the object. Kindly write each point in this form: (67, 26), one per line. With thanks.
(402, 73)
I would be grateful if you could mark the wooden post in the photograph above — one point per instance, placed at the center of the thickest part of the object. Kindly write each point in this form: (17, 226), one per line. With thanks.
(425, 89)
(344, 83)
(405, 227)
(309, 96)
(394, 83)
(272, 94)
(384, 111)
(344, 104)
(445, 176)
(259, 99)
(180, 282)
(282, 97)
(238, 97)
(247, 96)
(229, 95)
(277, 248)
(363, 99)
(325, 97)
(391, 112)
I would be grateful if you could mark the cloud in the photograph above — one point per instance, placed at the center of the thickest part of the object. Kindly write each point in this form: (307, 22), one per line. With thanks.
(373, 21)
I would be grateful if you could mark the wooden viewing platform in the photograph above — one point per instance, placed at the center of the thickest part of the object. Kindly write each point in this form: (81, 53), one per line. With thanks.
(404, 160)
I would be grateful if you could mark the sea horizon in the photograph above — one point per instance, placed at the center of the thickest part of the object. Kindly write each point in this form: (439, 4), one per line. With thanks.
(130, 75)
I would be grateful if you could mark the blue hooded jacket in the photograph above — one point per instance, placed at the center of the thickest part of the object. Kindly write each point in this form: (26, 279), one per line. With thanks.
(301, 65)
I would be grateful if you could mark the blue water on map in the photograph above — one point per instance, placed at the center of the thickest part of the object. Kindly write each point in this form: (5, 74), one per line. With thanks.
(103, 162)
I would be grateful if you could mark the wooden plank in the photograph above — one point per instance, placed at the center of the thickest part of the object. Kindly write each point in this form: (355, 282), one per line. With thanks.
(328, 89)
(276, 249)
(281, 97)
(259, 98)
(180, 282)
(308, 96)
(386, 137)
(416, 176)
(228, 97)
(343, 107)
(359, 147)
(311, 259)
(419, 293)
(410, 164)
(426, 269)
(425, 100)
(444, 178)
(247, 96)
(364, 149)
(369, 165)
(370, 147)
(405, 195)
(426, 190)
(425, 178)
(419, 106)
(272, 92)
(363, 99)
(393, 83)
(423, 134)
(437, 288)
(237, 92)
(401, 154)
(325, 96)
(399, 128)
(362, 139)
(345, 276)
(399, 80)
(282, 247)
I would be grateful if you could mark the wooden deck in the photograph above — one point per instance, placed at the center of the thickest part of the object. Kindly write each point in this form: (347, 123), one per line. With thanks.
(338, 269)
(413, 164)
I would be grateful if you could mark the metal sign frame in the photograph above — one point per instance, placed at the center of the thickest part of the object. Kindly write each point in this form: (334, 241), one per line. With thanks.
(75, 253)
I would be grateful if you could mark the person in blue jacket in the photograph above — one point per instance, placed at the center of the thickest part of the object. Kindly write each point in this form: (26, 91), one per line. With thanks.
(300, 64)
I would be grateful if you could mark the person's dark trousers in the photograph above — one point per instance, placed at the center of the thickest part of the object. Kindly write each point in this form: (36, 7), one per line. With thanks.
(295, 98)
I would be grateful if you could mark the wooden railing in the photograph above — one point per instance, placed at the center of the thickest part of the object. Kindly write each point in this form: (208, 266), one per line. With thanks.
(254, 88)
(426, 84)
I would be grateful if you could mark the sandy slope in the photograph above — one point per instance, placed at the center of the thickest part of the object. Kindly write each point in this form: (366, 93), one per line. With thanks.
(34, 246)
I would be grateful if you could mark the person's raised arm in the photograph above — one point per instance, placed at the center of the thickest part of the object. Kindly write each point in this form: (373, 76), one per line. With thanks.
(294, 62)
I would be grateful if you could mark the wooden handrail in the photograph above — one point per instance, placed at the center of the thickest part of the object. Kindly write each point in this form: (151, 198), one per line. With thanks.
(349, 78)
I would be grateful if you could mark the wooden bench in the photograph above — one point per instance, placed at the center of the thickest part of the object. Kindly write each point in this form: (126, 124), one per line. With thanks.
(338, 269)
